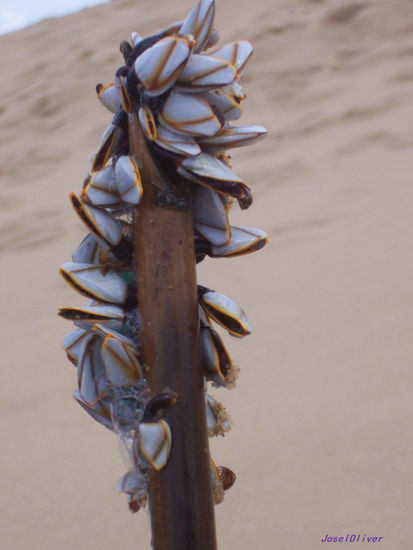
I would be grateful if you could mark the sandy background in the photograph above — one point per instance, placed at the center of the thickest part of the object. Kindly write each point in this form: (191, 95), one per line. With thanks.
(322, 440)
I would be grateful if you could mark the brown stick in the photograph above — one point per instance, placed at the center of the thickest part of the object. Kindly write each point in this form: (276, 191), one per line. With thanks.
(180, 495)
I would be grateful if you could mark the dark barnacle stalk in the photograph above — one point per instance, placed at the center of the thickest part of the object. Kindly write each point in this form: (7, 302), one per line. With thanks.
(155, 203)
(180, 495)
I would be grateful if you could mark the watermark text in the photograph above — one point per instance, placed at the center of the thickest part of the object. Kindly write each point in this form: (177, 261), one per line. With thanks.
(352, 538)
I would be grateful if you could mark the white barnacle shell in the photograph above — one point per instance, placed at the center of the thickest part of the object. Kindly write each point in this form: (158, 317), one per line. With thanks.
(109, 96)
(130, 346)
(206, 167)
(199, 23)
(172, 28)
(135, 38)
(134, 484)
(155, 442)
(236, 91)
(215, 360)
(224, 102)
(213, 38)
(218, 420)
(131, 482)
(244, 240)
(159, 66)
(210, 417)
(95, 281)
(100, 188)
(217, 485)
(88, 251)
(92, 381)
(104, 331)
(207, 170)
(233, 136)
(72, 343)
(99, 411)
(102, 225)
(110, 140)
(189, 114)
(226, 312)
(126, 99)
(205, 72)
(128, 180)
(237, 53)
(122, 366)
(147, 122)
(86, 316)
(209, 216)
(179, 144)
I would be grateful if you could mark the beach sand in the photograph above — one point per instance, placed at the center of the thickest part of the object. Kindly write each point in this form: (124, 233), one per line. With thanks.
(322, 437)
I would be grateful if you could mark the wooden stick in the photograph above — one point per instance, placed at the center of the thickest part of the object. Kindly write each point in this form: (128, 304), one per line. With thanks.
(180, 495)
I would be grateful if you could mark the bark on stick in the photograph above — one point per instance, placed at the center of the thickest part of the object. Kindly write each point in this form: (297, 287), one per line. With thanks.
(180, 495)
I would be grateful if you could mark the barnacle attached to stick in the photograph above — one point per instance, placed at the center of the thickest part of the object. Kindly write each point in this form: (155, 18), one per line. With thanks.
(156, 201)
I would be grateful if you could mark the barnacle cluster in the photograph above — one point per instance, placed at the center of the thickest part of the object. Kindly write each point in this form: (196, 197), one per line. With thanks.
(185, 90)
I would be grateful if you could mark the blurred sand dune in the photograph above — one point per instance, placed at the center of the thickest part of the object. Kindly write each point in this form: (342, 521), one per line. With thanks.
(322, 439)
